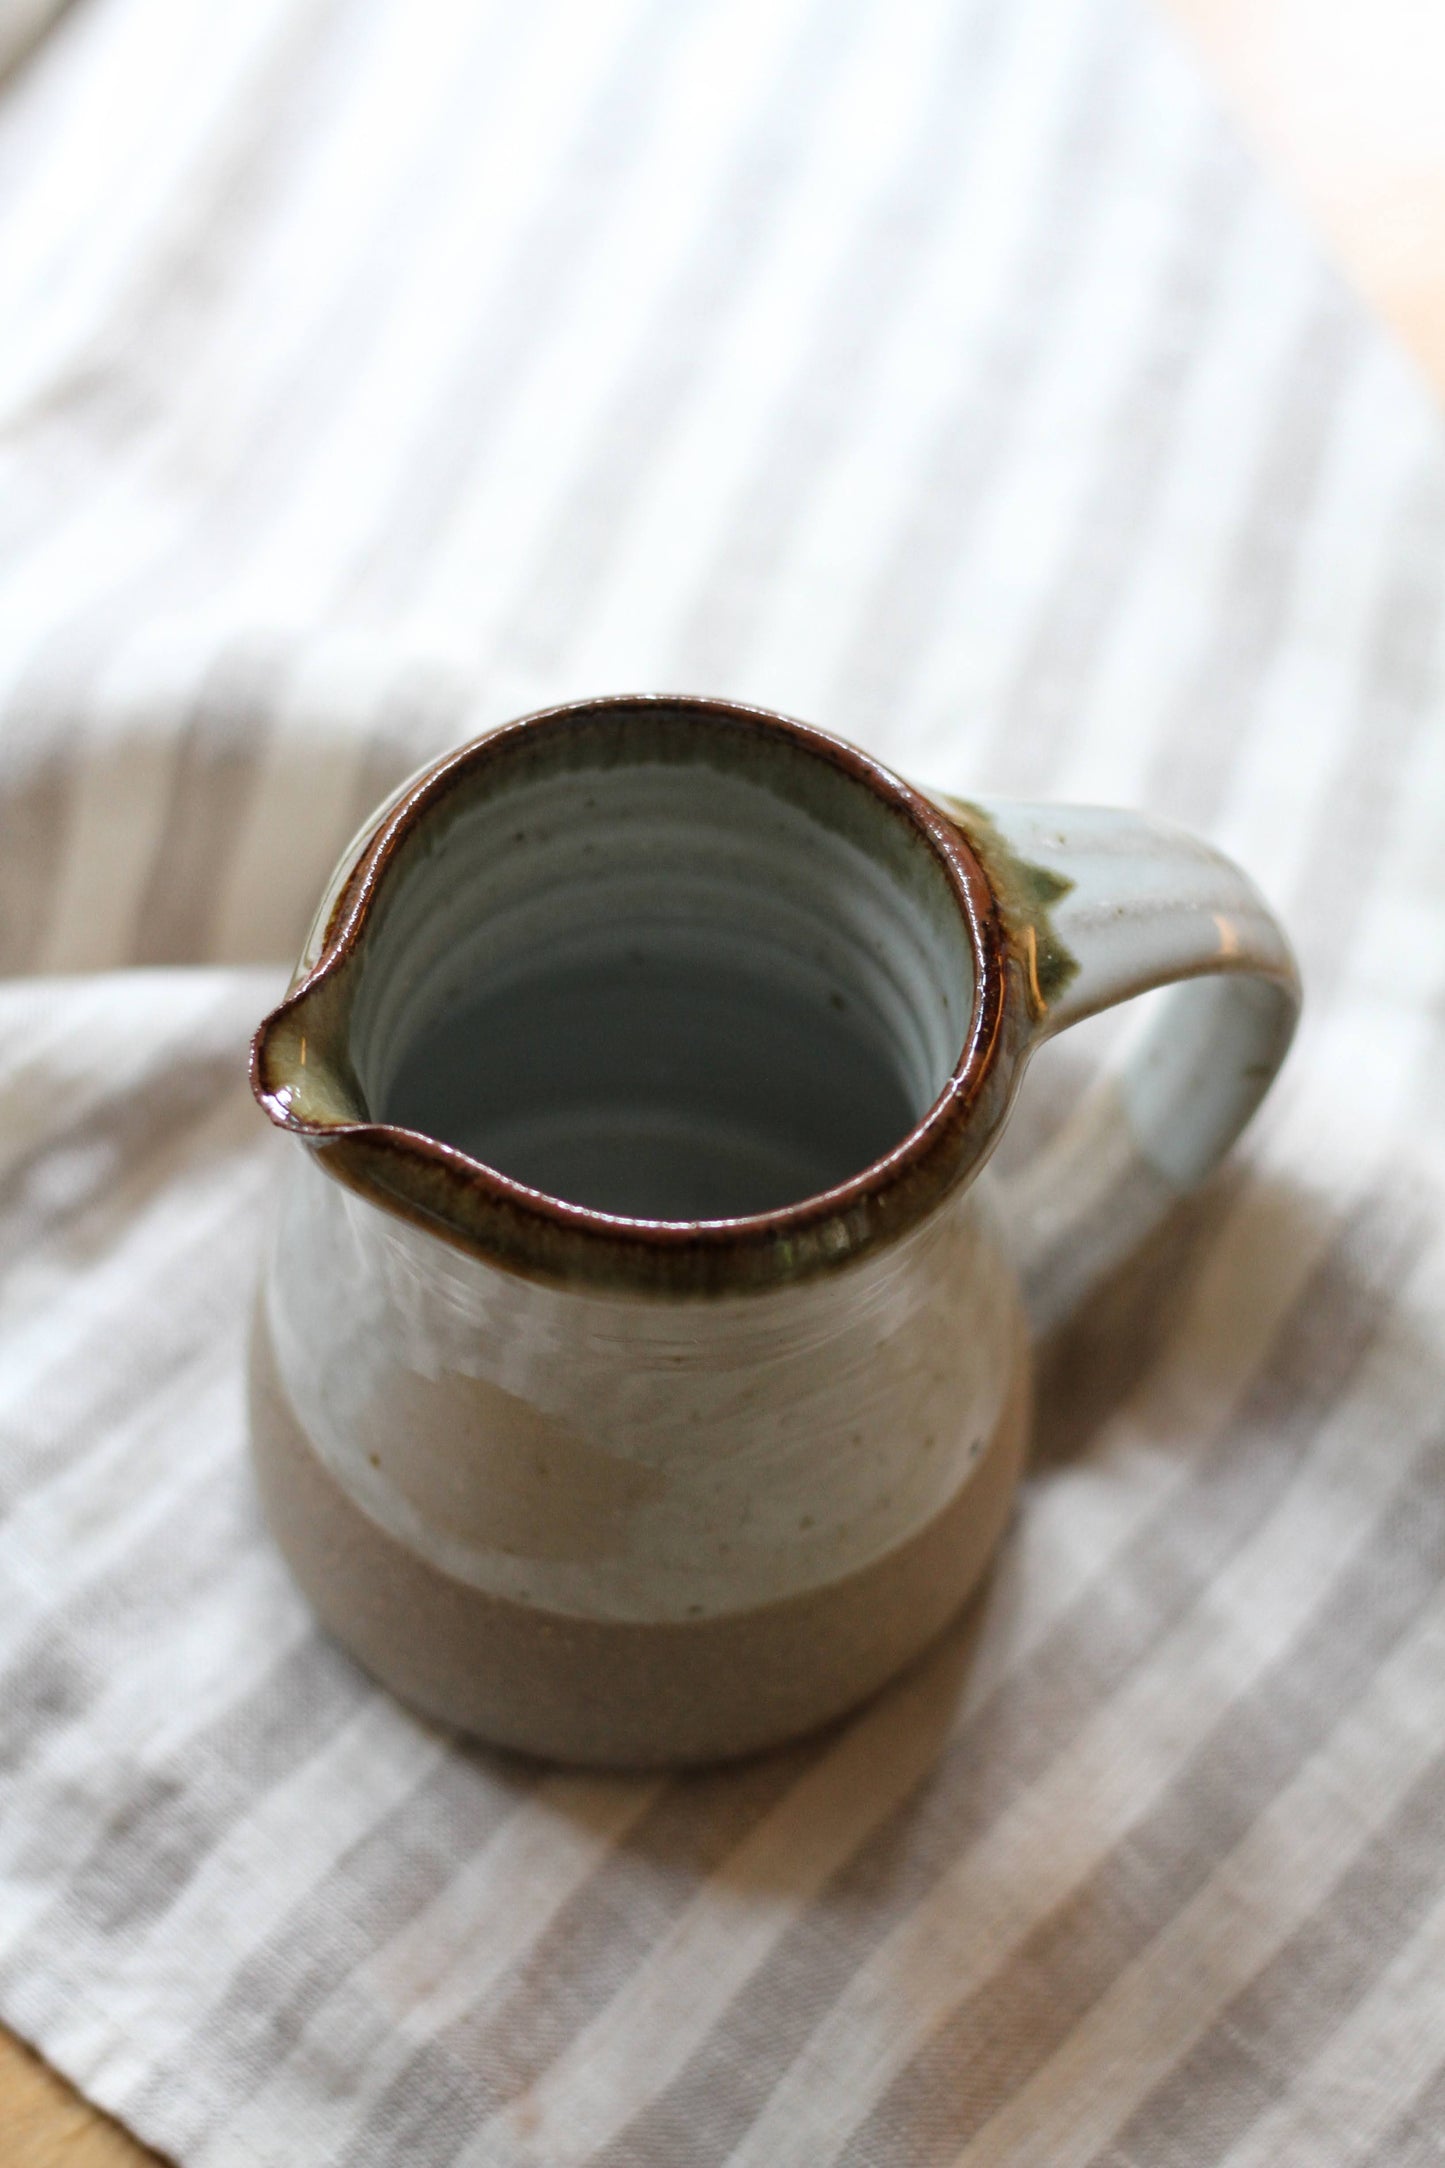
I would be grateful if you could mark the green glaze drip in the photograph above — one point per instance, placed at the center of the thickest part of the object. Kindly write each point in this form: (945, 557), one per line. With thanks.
(1026, 895)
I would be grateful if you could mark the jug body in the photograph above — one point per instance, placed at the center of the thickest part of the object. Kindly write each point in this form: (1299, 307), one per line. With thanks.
(640, 1373)
(619, 1527)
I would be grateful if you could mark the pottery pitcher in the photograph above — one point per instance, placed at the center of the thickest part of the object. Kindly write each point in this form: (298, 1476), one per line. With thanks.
(641, 1368)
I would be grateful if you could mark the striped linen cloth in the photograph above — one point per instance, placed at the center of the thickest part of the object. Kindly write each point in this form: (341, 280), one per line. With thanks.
(940, 371)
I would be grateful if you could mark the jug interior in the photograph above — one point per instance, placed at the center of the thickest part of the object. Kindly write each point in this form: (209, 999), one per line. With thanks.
(665, 969)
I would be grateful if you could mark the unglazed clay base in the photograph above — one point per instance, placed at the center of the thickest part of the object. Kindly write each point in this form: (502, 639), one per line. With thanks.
(614, 1693)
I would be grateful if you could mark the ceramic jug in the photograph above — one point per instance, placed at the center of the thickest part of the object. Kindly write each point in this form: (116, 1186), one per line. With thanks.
(641, 1368)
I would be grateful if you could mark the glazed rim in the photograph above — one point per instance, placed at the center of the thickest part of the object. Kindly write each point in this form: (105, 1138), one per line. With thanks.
(508, 1223)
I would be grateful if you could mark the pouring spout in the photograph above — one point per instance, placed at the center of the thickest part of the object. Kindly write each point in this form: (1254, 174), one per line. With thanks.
(301, 1069)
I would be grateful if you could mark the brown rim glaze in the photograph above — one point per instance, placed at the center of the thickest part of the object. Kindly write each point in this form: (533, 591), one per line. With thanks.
(525, 1230)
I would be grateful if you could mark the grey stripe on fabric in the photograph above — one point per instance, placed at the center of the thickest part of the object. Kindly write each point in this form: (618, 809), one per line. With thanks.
(37, 781)
(996, 2040)
(1201, 738)
(44, 724)
(168, 1820)
(61, 1668)
(1246, 2061)
(1413, 2139)
(106, 389)
(63, 1174)
(1090, 1365)
(419, 717)
(637, 429)
(29, 113)
(495, 348)
(404, 1861)
(64, 1664)
(821, 401)
(490, 2056)
(276, 122)
(1008, 1742)
(1075, 615)
(94, 1386)
(255, 487)
(966, 455)
(1404, 673)
(218, 760)
(111, 404)
(93, 1593)
(23, 30)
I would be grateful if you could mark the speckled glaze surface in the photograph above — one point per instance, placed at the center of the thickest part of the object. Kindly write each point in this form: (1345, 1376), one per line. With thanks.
(640, 1372)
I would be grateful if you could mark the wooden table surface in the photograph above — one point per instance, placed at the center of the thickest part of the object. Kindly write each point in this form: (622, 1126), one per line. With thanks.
(1345, 101)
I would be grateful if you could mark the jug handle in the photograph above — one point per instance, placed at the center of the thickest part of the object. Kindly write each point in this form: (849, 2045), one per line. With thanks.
(1101, 905)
